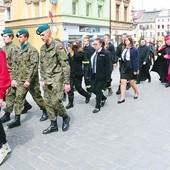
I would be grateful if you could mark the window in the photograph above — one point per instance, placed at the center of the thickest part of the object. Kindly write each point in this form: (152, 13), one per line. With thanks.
(125, 14)
(162, 26)
(8, 13)
(99, 11)
(162, 20)
(158, 26)
(74, 8)
(158, 33)
(158, 20)
(151, 27)
(150, 34)
(117, 12)
(88, 5)
(168, 20)
(162, 33)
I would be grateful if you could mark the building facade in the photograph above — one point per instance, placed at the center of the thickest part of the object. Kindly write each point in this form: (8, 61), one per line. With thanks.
(70, 19)
(2, 20)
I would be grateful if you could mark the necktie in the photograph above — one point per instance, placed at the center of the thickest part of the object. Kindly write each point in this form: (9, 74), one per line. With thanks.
(94, 63)
(124, 56)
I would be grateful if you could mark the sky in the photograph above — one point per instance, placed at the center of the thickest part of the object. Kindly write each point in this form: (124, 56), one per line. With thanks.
(151, 4)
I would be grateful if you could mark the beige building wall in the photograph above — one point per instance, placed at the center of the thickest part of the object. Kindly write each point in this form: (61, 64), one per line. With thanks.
(2, 21)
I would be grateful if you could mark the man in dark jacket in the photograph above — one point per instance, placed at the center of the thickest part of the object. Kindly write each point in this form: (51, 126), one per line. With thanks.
(144, 62)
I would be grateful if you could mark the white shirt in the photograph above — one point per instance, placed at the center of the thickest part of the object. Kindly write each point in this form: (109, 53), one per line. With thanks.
(127, 54)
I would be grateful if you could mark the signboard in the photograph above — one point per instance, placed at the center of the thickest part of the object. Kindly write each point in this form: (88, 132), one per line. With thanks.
(89, 29)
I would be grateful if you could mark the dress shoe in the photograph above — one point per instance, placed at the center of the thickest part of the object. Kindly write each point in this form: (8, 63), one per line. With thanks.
(88, 98)
(66, 120)
(149, 80)
(136, 96)
(70, 105)
(44, 116)
(118, 92)
(16, 122)
(121, 101)
(137, 82)
(167, 84)
(103, 102)
(52, 128)
(5, 117)
(96, 110)
(27, 107)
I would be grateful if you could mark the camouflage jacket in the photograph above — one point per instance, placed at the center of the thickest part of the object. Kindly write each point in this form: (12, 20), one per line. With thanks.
(27, 64)
(11, 51)
(54, 65)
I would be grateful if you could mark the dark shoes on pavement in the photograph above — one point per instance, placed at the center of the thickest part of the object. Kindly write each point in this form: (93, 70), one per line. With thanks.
(16, 122)
(52, 128)
(27, 107)
(5, 117)
(103, 102)
(70, 105)
(44, 116)
(121, 101)
(167, 85)
(66, 121)
(96, 110)
(88, 98)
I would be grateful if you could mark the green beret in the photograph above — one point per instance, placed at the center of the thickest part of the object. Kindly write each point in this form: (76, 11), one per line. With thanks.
(21, 32)
(42, 28)
(7, 31)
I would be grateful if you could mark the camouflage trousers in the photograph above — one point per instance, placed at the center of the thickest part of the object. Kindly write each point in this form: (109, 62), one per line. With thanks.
(53, 95)
(10, 98)
(21, 92)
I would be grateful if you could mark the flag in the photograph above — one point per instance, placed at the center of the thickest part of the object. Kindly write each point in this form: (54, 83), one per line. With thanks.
(50, 15)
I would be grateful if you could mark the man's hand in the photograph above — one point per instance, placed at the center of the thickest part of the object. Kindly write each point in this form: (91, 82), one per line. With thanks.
(67, 88)
(26, 84)
(14, 83)
(1, 102)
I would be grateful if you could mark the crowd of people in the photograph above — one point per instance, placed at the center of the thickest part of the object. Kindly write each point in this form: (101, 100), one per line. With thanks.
(62, 71)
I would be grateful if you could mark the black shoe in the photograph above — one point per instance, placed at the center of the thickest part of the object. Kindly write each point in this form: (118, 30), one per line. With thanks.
(70, 105)
(149, 80)
(96, 110)
(64, 97)
(44, 116)
(103, 102)
(52, 128)
(121, 101)
(16, 122)
(137, 82)
(128, 86)
(118, 91)
(66, 120)
(5, 117)
(87, 98)
(27, 107)
(167, 84)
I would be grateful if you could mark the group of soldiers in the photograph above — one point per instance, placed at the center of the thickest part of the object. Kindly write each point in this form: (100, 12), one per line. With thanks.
(23, 65)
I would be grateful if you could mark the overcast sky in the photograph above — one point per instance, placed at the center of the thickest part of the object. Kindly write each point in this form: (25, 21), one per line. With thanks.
(151, 4)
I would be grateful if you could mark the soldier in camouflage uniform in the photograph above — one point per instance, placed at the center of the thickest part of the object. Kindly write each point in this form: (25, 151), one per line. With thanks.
(55, 73)
(11, 53)
(27, 78)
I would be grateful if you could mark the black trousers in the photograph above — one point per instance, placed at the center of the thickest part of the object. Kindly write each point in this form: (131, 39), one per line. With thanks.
(77, 82)
(2, 135)
(87, 78)
(144, 72)
(97, 89)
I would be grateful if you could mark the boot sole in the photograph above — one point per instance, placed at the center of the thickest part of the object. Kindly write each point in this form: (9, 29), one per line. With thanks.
(10, 127)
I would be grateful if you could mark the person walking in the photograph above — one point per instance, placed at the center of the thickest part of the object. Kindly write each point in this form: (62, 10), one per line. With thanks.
(144, 62)
(129, 68)
(55, 73)
(4, 85)
(100, 72)
(76, 56)
(12, 52)
(27, 78)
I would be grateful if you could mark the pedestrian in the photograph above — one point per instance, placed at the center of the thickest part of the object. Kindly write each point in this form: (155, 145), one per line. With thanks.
(100, 72)
(113, 60)
(55, 72)
(144, 62)
(4, 84)
(162, 64)
(27, 79)
(88, 49)
(76, 56)
(119, 51)
(129, 68)
(12, 52)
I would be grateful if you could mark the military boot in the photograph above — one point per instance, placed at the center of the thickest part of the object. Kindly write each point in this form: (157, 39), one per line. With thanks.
(110, 91)
(52, 128)
(5, 117)
(27, 107)
(70, 104)
(66, 120)
(44, 116)
(16, 122)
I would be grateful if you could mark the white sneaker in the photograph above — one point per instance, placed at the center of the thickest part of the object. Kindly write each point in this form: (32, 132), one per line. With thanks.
(6, 147)
(3, 155)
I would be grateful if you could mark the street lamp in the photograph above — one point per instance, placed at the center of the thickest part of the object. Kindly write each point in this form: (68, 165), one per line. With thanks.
(144, 28)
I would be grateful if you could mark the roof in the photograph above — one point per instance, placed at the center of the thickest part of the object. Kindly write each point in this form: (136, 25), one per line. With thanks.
(149, 16)
(136, 14)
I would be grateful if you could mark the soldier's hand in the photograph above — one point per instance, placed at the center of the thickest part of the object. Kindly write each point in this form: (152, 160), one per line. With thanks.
(26, 84)
(14, 83)
(42, 84)
(67, 88)
(1, 102)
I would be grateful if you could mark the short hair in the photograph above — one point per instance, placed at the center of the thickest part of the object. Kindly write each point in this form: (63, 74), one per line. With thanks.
(87, 37)
(26, 35)
(100, 41)
(107, 35)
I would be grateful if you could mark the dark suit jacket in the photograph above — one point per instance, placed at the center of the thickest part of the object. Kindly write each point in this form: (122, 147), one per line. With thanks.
(134, 59)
